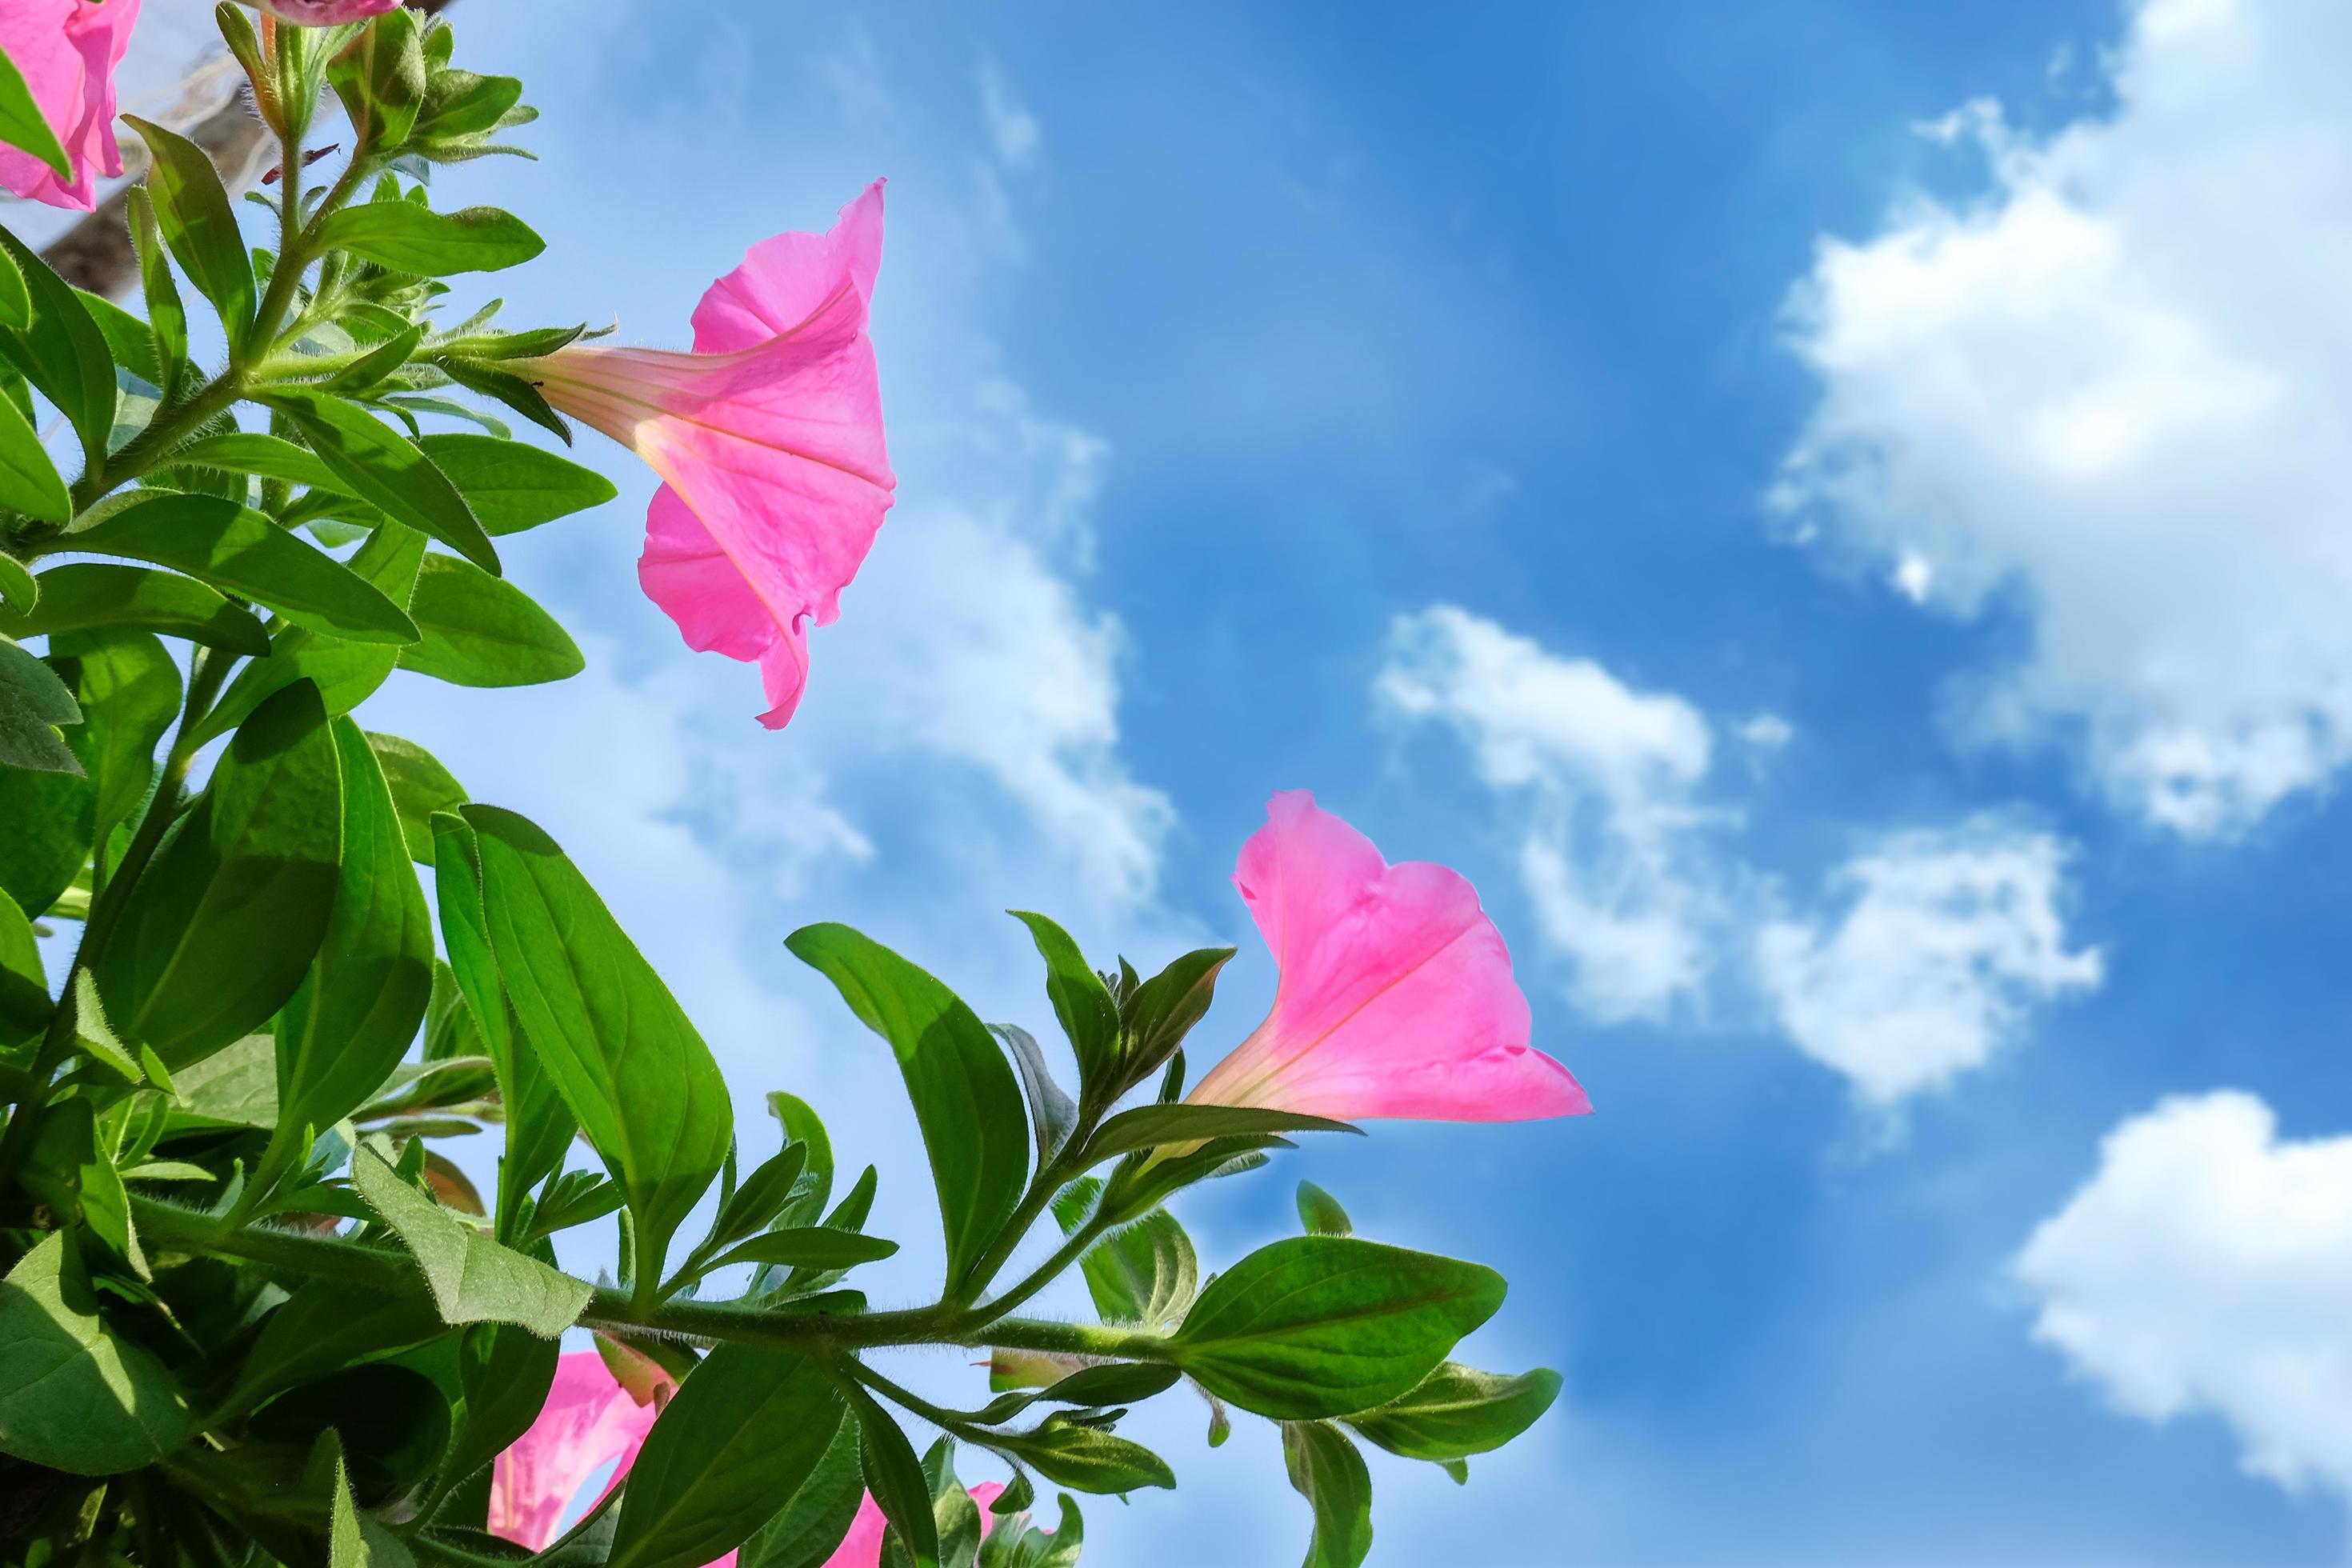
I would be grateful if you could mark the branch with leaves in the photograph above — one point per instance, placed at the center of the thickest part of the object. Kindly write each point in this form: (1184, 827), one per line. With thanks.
(251, 1314)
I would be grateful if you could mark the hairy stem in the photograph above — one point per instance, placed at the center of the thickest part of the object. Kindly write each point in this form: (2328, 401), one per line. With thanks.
(168, 1227)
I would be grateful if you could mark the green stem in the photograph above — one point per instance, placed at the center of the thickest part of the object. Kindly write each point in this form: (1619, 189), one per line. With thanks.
(950, 1421)
(1050, 1179)
(1072, 1248)
(152, 445)
(168, 1227)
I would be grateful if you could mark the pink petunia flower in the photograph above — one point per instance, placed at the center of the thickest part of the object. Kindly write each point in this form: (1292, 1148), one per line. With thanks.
(862, 1547)
(768, 440)
(590, 1421)
(1395, 998)
(67, 50)
(324, 12)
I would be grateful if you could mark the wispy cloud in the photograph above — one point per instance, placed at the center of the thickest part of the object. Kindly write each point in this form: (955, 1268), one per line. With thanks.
(1012, 129)
(1928, 950)
(1613, 850)
(1950, 941)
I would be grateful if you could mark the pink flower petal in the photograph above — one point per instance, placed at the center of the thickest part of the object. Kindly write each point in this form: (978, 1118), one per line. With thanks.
(588, 1421)
(862, 1547)
(786, 279)
(1396, 998)
(768, 440)
(67, 51)
(684, 571)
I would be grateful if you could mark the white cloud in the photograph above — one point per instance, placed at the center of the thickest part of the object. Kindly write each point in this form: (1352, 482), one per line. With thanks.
(1012, 129)
(2207, 1266)
(1945, 941)
(1612, 853)
(1951, 940)
(982, 656)
(2113, 392)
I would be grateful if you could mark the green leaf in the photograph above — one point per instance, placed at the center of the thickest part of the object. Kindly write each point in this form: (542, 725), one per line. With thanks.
(809, 1528)
(1160, 1012)
(1151, 1126)
(473, 1279)
(354, 1540)
(479, 630)
(894, 1476)
(371, 369)
(538, 1125)
(1016, 1543)
(223, 925)
(629, 1062)
(342, 1033)
(410, 239)
(497, 381)
(50, 818)
(512, 485)
(1329, 1473)
(130, 690)
(808, 1246)
(20, 591)
(1458, 1411)
(1321, 1213)
(16, 304)
(460, 104)
(346, 673)
(22, 124)
(167, 318)
(327, 1325)
(376, 463)
(1086, 1457)
(34, 703)
(802, 1125)
(748, 1425)
(382, 80)
(25, 1003)
(264, 456)
(1083, 1005)
(235, 1086)
(1053, 1115)
(73, 1397)
(504, 1374)
(420, 786)
(85, 595)
(966, 1099)
(1322, 1325)
(1144, 1273)
(29, 480)
(237, 549)
(133, 346)
(62, 352)
(93, 1034)
(955, 1518)
(199, 224)
(70, 1172)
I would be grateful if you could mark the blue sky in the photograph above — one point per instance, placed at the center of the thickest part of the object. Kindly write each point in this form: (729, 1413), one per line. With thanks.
(1855, 580)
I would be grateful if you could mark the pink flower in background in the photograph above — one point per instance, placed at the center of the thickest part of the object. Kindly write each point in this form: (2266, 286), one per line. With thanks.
(588, 1421)
(1395, 998)
(769, 439)
(324, 12)
(67, 50)
(862, 1547)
